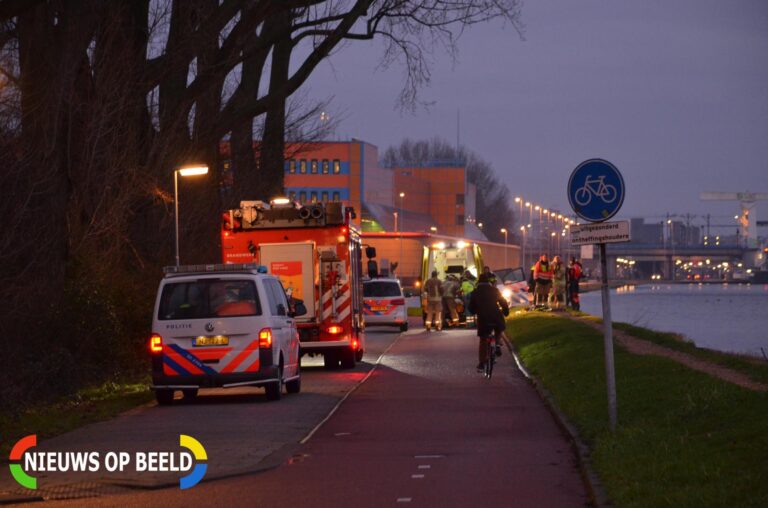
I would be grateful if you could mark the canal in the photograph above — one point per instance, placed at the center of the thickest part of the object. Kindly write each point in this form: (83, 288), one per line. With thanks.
(725, 317)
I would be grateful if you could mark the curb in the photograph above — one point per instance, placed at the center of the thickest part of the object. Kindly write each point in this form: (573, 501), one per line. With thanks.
(597, 495)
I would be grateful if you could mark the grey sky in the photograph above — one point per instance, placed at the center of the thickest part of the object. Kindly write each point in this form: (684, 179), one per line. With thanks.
(675, 93)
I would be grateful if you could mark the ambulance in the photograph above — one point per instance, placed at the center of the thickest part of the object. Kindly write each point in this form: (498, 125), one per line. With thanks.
(316, 252)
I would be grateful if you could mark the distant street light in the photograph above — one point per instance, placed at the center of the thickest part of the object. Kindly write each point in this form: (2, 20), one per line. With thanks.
(504, 230)
(191, 170)
(522, 228)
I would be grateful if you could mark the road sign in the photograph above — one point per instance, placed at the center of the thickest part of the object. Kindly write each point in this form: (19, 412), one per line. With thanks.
(601, 232)
(596, 190)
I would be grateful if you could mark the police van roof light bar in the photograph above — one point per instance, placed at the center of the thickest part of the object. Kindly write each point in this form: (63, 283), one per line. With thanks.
(216, 267)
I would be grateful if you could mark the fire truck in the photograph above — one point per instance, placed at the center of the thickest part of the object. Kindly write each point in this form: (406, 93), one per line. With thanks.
(315, 251)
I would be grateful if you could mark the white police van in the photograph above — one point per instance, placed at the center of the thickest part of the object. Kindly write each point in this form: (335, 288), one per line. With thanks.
(224, 325)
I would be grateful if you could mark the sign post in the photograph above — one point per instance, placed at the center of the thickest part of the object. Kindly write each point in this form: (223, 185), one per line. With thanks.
(596, 192)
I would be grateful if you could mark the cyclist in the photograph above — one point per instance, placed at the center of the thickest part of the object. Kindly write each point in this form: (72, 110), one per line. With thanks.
(490, 308)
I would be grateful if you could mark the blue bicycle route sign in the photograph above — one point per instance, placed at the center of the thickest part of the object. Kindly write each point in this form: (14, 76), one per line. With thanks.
(596, 190)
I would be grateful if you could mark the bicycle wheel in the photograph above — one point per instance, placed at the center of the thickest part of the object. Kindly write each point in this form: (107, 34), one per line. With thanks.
(583, 196)
(609, 194)
(490, 357)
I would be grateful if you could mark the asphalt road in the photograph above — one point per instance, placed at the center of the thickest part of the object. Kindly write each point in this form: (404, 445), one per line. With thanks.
(424, 429)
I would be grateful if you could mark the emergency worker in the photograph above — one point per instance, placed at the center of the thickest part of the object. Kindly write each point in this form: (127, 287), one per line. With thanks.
(542, 274)
(433, 293)
(450, 290)
(557, 296)
(467, 286)
(574, 276)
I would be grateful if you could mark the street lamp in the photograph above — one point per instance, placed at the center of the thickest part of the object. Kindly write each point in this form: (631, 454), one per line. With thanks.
(402, 228)
(522, 228)
(504, 230)
(191, 170)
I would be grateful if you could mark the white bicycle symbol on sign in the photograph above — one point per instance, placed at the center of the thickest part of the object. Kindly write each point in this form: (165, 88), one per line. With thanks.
(596, 187)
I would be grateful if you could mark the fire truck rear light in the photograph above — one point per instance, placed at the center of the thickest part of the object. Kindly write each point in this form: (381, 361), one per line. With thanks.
(156, 344)
(265, 338)
(334, 330)
(355, 343)
(398, 301)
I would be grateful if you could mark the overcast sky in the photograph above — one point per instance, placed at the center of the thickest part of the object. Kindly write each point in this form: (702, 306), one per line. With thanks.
(674, 93)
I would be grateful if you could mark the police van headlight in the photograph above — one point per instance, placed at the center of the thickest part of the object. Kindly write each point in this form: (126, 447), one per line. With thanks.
(506, 293)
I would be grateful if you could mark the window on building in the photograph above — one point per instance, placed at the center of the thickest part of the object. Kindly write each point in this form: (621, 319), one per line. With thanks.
(460, 220)
(292, 196)
(313, 197)
(336, 166)
(302, 197)
(292, 165)
(303, 166)
(459, 199)
(324, 197)
(313, 166)
(326, 166)
(336, 196)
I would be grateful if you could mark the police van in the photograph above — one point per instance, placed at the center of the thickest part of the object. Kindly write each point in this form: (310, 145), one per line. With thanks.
(223, 326)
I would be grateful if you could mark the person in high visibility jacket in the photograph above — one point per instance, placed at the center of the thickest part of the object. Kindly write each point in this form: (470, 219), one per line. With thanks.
(542, 274)
(467, 286)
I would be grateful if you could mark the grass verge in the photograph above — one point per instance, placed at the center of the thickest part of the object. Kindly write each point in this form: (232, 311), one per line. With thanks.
(684, 438)
(86, 406)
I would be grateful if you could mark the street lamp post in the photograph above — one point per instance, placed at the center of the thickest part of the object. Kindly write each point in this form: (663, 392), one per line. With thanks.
(522, 228)
(191, 170)
(504, 230)
(402, 228)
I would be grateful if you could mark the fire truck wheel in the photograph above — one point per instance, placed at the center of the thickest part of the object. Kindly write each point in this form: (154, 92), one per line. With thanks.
(164, 397)
(348, 359)
(294, 385)
(275, 390)
(330, 360)
(404, 327)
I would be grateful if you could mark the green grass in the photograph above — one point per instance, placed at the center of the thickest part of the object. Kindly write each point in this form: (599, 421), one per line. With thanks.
(684, 438)
(86, 406)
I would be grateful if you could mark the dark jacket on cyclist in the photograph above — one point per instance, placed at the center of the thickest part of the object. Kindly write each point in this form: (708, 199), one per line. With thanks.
(489, 306)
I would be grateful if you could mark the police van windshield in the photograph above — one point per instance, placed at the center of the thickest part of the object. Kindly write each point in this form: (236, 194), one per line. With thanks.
(381, 288)
(202, 299)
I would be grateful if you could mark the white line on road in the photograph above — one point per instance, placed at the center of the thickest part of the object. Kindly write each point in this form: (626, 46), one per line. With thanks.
(404, 499)
(339, 434)
(424, 466)
(415, 476)
(429, 456)
(341, 401)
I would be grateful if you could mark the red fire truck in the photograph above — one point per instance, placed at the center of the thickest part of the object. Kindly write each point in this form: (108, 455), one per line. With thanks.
(316, 253)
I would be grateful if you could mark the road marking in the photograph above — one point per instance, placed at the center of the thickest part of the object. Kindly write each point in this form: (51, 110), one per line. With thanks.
(339, 434)
(341, 401)
(429, 456)
(415, 476)
(424, 466)
(404, 499)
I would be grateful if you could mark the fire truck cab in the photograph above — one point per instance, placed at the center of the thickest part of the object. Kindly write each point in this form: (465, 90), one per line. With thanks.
(315, 251)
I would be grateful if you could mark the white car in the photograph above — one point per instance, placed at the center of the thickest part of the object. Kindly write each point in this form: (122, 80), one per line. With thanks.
(223, 326)
(384, 303)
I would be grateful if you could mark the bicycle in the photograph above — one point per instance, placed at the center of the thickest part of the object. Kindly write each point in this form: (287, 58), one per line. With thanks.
(490, 356)
(596, 187)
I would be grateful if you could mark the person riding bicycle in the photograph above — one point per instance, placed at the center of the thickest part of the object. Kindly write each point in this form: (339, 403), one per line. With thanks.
(491, 308)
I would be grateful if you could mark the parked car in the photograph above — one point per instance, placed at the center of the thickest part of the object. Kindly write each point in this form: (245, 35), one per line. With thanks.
(223, 326)
(384, 303)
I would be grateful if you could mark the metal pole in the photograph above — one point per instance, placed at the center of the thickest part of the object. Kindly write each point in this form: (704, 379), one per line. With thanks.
(610, 375)
(176, 210)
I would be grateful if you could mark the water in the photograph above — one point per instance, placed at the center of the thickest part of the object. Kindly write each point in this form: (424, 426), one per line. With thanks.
(725, 317)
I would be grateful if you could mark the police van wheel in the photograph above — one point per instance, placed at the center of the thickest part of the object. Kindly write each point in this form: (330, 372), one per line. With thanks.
(294, 385)
(359, 355)
(164, 397)
(190, 394)
(404, 327)
(274, 390)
